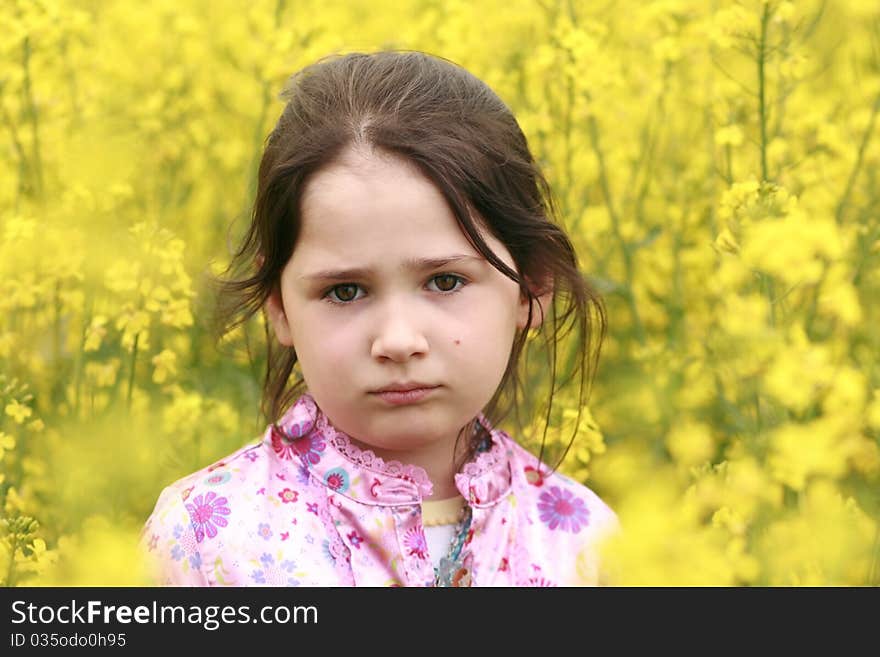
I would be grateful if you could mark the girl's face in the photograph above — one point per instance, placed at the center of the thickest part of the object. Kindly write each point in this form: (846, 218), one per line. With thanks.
(383, 318)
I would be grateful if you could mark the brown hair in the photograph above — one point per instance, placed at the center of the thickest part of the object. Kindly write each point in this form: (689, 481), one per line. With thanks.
(463, 138)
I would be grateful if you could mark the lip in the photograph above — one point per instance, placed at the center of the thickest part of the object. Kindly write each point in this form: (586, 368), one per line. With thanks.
(399, 397)
(405, 386)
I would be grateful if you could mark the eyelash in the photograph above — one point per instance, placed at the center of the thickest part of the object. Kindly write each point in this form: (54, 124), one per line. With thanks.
(326, 295)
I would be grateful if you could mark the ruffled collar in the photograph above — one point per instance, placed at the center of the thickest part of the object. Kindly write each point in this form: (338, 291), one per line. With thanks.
(304, 432)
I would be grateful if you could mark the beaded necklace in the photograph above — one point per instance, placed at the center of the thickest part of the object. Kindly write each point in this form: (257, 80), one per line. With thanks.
(452, 570)
(451, 564)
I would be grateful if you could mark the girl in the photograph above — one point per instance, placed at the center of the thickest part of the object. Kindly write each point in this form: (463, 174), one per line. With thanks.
(402, 249)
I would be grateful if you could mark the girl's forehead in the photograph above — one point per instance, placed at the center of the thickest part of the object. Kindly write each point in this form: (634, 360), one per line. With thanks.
(364, 161)
(370, 211)
(366, 176)
(385, 202)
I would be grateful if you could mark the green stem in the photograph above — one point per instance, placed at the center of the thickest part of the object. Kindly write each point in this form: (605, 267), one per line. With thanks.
(57, 327)
(814, 302)
(762, 108)
(569, 109)
(256, 140)
(279, 11)
(32, 113)
(80, 357)
(10, 572)
(770, 291)
(615, 225)
(133, 363)
(70, 74)
(728, 153)
(19, 149)
(758, 422)
(569, 176)
(873, 573)
(838, 215)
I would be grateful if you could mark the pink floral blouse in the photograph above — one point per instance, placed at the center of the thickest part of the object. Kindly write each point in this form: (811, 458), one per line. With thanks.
(306, 507)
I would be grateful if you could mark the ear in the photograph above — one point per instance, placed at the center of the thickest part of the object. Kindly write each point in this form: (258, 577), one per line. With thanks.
(544, 297)
(274, 307)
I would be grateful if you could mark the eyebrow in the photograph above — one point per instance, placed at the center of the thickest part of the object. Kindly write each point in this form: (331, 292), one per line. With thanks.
(412, 264)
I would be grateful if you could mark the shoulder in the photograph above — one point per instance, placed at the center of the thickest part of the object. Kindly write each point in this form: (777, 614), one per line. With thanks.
(239, 464)
(236, 467)
(560, 516)
(190, 510)
(556, 493)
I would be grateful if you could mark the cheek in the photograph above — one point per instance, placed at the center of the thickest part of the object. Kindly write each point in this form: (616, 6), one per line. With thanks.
(325, 344)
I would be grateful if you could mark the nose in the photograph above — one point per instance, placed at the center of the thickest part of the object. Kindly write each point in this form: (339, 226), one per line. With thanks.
(399, 336)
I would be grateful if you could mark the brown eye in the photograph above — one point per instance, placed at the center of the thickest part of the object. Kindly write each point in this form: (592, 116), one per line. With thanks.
(446, 282)
(345, 296)
(449, 282)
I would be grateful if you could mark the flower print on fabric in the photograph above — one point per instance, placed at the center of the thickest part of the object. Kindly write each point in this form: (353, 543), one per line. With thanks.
(539, 581)
(285, 441)
(302, 474)
(206, 513)
(415, 542)
(325, 550)
(282, 445)
(264, 531)
(337, 479)
(355, 538)
(560, 509)
(310, 449)
(186, 542)
(287, 496)
(274, 574)
(218, 478)
(534, 476)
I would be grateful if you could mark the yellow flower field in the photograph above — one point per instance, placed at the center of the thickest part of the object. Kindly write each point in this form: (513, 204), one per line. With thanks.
(716, 163)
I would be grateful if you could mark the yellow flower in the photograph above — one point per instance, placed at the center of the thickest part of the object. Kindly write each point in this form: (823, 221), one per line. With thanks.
(7, 341)
(7, 443)
(14, 502)
(731, 519)
(123, 276)
(744, 316)
(165, 364)
(800, 371)
(177, 314)
(18, 229)
(690, 442)
(872, 413)
(731, 134)
(134, 324)
(839, 297)
(103, 374)
(18, 411)
(800, 451)
(95, 333)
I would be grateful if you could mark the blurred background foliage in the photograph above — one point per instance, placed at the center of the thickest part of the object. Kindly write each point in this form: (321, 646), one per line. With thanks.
(715, 162)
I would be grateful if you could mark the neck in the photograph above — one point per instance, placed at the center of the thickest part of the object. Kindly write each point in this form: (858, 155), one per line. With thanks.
(436, 460)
